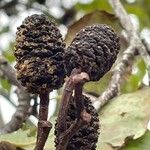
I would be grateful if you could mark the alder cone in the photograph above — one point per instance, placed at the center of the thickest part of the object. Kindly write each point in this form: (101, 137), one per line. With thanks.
(39, 53)
(87, 136)
(94, 50)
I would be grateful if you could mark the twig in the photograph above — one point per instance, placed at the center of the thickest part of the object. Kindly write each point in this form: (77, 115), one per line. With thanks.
(44, 126)
(128, 55)
(76, 81)
(22, 110)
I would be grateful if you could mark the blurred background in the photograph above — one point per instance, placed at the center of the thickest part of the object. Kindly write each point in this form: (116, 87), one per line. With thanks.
(65, 12)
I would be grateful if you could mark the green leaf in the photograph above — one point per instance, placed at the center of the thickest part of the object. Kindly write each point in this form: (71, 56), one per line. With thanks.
(19, 138)
(5, 84)
(141, 14)
(95, 17)
(99, 86)
(141, 9)
(141, 68)
(142, 143)
(126, 116)
(131, 85)
(8, 53)
(123, 121)
(24, 139)
(133, 82)
(94, 5)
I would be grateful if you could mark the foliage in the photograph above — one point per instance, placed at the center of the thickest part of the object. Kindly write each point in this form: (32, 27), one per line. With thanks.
(123, 124)
(134, 80)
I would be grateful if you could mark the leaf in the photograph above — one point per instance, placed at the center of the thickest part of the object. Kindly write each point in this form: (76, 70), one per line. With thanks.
(126, 116)
(103, 146)
(7, 146)
(8, 53)
(141, 67)
(24, 139)
(19, 138)
(141, 11)
(5, 84)
(124, 119)
(94, 5)
(99, 86)
(141, 8)
(133, 82)
(131, 85)
(142, 143)
(95, 17)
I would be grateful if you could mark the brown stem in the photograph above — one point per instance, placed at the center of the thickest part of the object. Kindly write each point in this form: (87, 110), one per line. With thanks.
(44, 126)
(76, 81)
(78, 96)
(62, 115)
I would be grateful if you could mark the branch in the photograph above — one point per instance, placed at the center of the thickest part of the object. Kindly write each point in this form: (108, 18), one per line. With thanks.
(146, 44)
(76, 81)
(92, 97)
(114, 85)
(131, 31)
(22, 110)
(20, 115)
(8, 71)
(6, 95)
(128, 55)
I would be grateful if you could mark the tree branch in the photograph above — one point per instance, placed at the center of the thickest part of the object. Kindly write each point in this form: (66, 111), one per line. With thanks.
(128, 55)
(8, 71)
(132, 34)
(6, 95)
(114, 85)
(22, 110)
(146, 44)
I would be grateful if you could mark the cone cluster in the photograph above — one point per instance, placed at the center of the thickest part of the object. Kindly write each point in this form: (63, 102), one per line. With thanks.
(43, 62)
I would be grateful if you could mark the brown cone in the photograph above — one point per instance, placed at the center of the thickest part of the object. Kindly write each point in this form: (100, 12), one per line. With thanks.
(39, 53)
(87, 136)
(94, 50)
